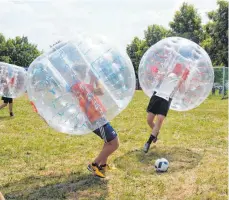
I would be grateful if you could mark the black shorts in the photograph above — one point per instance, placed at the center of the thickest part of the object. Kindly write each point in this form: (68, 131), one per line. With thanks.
(7, 100)
(106, 132)
(158, 106)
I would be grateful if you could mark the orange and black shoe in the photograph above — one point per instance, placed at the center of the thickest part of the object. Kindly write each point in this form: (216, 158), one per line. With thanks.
(96, 170)
(105, 168)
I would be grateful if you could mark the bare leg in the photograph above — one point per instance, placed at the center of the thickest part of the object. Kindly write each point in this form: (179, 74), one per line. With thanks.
(107, 150)
(3, 105)
(150, 119)
(103, 161)
(158, 124)
(155, 131)
(11, 107)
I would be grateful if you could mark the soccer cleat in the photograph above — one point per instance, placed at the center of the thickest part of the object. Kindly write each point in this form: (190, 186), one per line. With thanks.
(95, 170)
(11, 114)
(105, 167)
(146, 147)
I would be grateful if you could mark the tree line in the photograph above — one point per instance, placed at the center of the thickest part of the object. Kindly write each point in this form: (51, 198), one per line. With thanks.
(18, 51)
(187, 23)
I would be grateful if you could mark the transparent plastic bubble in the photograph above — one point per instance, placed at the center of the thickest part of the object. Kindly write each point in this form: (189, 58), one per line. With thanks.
(13, 80)
(80, 85)
(177, 68)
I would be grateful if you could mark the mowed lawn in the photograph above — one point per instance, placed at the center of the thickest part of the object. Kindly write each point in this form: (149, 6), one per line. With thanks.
(37, 162)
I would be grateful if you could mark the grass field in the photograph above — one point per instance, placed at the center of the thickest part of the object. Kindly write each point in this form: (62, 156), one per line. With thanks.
(38, 163)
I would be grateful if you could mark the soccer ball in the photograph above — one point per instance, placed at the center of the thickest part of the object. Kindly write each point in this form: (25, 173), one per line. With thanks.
(161, 165)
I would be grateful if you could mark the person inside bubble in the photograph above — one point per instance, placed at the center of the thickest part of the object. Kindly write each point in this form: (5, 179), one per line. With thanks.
(160, 101)
(5, 89)
(88, 97)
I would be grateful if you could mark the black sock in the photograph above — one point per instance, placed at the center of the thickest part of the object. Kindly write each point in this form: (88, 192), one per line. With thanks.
(104, 165)
(151, 138)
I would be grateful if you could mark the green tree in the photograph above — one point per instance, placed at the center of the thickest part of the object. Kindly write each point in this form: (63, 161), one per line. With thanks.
(155, 33)
(135, 50)
(187, 23)
(138, 47)
(216, 34)
(21, 52)
(18, 51)
(3, 50)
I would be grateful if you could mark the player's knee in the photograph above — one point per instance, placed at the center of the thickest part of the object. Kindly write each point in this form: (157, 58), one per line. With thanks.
(150, 118)
(160, 119)
(115, 143)
(149, 121)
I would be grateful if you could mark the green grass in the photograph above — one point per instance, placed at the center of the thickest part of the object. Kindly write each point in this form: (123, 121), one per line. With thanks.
(38, 163)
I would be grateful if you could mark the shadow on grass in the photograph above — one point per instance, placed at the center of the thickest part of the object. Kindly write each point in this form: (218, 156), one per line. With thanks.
(72, 187)
(5, 118)
(138, 162)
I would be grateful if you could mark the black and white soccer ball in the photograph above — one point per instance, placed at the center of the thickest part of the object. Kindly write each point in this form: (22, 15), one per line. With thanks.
(161, 165)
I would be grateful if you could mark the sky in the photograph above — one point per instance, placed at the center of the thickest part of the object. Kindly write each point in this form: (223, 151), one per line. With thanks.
(46, 21)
